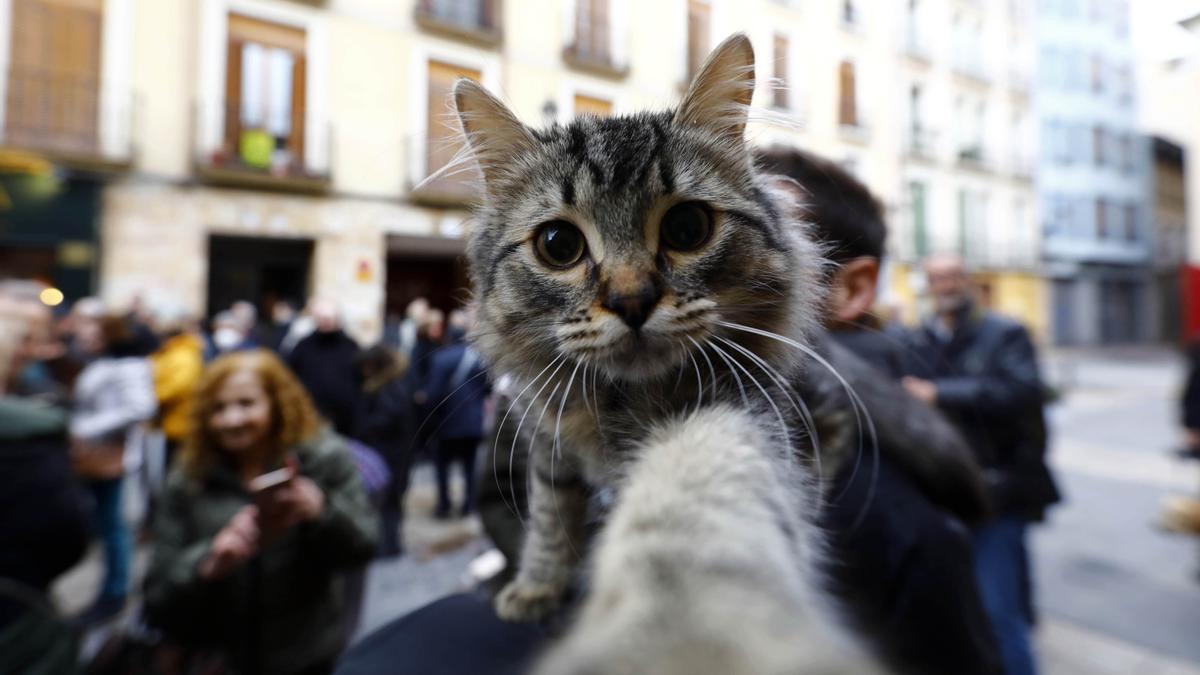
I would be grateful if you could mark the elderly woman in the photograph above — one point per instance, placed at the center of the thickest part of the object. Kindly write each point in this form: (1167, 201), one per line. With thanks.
(250, 569)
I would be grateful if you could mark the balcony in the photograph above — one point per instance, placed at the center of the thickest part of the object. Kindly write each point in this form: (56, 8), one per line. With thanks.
(972, 67)
(233, 151)
(475, 21)
(974, 158)
(922, 143)
(595, 57)
(857, 132)
(69, 120)
(430, 182)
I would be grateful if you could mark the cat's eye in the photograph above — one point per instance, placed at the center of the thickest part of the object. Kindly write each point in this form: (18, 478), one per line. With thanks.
(560, 244)
(686, 226)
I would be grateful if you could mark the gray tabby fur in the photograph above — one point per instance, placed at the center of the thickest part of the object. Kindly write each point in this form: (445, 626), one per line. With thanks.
(705, 564)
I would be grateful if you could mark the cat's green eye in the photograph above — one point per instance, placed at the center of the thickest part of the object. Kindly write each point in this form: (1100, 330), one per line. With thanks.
(686, 226)
(560, 244)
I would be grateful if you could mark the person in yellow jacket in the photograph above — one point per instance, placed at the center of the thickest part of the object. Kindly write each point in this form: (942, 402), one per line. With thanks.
(177, 367)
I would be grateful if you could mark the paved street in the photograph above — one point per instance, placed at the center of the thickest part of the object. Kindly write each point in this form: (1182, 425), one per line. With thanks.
(1117, 595)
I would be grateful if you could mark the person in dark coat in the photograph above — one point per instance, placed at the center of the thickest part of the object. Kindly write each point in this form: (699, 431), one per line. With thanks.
(981, 370)
(459, 387)
(324, 363)
(386, 421)
(900, 557)
(43, 510)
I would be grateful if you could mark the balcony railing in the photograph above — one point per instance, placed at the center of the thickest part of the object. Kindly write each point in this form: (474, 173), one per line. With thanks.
(922, 142)
(974, 157)
(69, 119)
(232, 149)
(439, 174)
(476, 21)
(593, 53)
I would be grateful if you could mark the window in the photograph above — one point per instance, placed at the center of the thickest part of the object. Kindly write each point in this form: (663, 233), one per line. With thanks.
(916, 120)
(1098, 141)
(1127, 153)
(781, 92)
(471, 15)
(53, 93)
(592, 32)
(847, 95)
(442, 139)
(591, 105)
(850, 12)
(1101, 219)
(964, 207)
(1097, 74)
(265, 94)
(1130, 212)
(698, 29)
(916, 198)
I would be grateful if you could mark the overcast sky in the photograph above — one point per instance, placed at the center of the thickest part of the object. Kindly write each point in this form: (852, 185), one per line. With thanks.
(1156, 31)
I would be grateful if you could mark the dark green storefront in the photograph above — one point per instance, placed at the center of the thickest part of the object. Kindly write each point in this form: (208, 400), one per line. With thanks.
(49, 230)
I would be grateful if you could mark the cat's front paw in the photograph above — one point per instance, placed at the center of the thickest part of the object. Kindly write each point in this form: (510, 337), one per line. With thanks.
(523, 600)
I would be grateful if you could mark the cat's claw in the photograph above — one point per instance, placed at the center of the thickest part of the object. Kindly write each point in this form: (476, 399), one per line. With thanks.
(522, 601)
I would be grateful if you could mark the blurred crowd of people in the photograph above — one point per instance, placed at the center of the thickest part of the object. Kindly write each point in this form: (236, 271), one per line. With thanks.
(262, 463)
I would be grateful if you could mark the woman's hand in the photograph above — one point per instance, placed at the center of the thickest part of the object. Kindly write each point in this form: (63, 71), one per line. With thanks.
(300, 500)
(236, 543)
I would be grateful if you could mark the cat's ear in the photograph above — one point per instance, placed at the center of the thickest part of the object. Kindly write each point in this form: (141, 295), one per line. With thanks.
(493, 133)
(719, 98)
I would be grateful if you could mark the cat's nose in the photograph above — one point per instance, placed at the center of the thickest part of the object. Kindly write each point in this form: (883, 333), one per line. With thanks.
(635, 305)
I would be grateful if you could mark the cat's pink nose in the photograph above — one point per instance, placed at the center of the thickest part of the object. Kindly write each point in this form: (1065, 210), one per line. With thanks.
(635, 305)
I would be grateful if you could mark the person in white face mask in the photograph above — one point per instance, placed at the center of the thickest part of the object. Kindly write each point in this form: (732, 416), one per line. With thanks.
(228, 335)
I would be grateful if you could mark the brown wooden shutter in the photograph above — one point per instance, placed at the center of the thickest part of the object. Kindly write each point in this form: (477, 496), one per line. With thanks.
(54, 76)
(442, 138)
(847, 95)
(590, 105)
(296, 140)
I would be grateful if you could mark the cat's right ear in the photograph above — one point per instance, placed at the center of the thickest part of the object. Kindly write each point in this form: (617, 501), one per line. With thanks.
(493, 133)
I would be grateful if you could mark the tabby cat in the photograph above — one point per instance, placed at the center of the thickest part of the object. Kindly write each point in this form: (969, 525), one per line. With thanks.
(659, 302)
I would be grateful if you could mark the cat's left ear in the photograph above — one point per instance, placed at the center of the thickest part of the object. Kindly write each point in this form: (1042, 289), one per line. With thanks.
(493, 133)
(718, 99)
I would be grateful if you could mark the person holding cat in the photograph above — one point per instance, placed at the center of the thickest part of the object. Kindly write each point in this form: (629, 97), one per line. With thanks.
(901, 557)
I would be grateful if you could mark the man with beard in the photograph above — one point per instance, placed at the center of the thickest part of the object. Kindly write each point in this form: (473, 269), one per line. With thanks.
(981, 370)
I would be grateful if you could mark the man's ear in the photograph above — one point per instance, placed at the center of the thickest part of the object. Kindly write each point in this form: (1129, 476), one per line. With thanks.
(853, 291)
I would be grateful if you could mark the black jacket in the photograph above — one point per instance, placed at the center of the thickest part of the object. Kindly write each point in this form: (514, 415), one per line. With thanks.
(989, 385)
(43, 514)
(1191, 389)
(324, 362)
(900, 557)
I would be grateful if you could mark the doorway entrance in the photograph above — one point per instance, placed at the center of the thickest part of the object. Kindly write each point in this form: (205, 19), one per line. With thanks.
(257, 269)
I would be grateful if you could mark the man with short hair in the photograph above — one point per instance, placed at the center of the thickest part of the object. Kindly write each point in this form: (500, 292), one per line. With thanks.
(981, 370)
(324, 363)
(900, 555)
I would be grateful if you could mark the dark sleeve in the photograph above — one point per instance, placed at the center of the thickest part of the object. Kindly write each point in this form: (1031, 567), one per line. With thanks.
(175, 593)
(346, 533)
(937, 595)
(1012, 384)
(1191, 390)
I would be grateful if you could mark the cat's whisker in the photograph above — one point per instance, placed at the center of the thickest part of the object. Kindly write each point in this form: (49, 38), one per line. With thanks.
(699, 379)
(787, 433)
(556, 450)
(512, 453)
(711, 369)
(798, 403)
(856, 406)
(496, 445)
(737, 378)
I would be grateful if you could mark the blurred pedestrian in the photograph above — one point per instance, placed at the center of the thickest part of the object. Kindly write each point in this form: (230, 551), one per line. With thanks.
(228, 335)
(900, 554)
(113, 394)
(43, 515)
(177, 366)
(283, 314)
(414, 317)
(258, 334)
(458, 386)
(253, 569)
(324, 362)
(981, 370)
(386, 421)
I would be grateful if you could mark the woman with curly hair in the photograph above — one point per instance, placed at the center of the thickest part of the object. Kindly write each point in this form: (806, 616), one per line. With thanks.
(251, 569)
